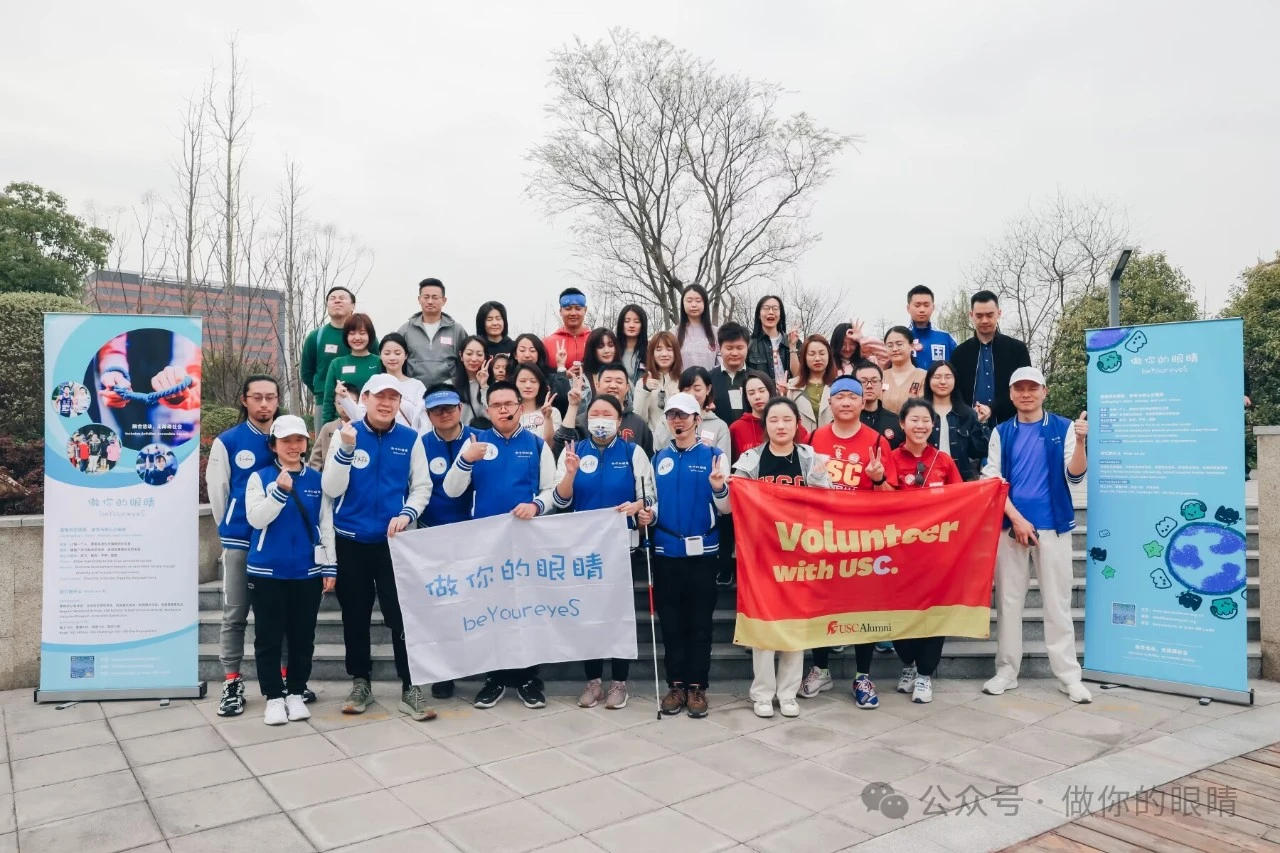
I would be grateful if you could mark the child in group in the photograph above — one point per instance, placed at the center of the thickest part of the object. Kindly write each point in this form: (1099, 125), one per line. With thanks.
(292, 562)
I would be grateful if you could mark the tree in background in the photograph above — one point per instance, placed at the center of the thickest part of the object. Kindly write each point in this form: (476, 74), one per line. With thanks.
(676, 173)
(1152, 291)
(1055, 253)
(953, 315)
(1256, 298)
(43, 248)
(811, 309)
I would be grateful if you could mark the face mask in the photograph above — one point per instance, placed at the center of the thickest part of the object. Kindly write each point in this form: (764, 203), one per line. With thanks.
(602, 428)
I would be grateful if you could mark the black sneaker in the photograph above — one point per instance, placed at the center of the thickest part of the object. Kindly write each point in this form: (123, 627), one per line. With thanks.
(491, 694)
(724, 577)
(232, 702)
(530, 694)
(308, 695)
(442, 690)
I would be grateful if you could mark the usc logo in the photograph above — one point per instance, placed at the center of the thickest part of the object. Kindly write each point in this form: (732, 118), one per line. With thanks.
(844, 473)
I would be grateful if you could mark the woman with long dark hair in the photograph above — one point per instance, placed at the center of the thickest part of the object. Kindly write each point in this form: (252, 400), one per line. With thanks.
(473, 376)
(957, 429)
(632, 334)
(902, 380)
(773, 349)
(811, 389)
(491, 329)
(661, 380)
(696, 334)
(601, 349)
(537, 413)
(846, 348)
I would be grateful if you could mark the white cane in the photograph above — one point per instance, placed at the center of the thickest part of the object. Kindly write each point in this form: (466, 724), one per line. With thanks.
(653, 625)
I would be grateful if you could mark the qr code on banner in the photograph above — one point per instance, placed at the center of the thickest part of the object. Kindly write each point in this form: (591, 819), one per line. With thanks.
(82, 666)
(1123, 614)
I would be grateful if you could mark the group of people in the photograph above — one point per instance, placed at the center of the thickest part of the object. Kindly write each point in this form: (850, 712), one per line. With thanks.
(92, 452)
(428, 426)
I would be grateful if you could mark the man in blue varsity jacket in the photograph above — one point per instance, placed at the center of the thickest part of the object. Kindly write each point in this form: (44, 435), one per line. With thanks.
(377, 477)
(442, 443)
(233, 457)
(510, 470)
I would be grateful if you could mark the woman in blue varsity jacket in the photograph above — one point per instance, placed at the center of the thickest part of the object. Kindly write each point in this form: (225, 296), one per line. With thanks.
(691, 484)
(604, 471)
(290, 565)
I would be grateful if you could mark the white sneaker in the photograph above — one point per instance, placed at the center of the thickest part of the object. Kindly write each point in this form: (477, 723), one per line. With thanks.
(998, 685)
(817, 681)
(296, 707)
(1076, 692)
(922, 694)
(908, 680)
(764, 709)
(790, 708)
(276, 713)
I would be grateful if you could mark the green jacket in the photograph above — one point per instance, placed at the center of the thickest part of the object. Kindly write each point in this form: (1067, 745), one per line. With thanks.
(320, 348)
(355, 369)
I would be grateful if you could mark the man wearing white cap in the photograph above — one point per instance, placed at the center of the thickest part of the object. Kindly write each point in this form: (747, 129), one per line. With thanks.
(1039, 454)
(691, 481)
(377, 476)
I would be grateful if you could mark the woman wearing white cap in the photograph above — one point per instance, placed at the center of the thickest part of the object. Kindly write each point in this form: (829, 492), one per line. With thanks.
(291, 563)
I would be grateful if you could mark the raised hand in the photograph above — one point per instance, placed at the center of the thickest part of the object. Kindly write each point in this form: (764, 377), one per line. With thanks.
(875, 466)
(1081, 425)
(793, 337)
(562, 355)
(340, 391)
(546, 406)
(717, 478)
(475, 451)
(652, 383)
(571, 460)
(482, 375)
(348, 435)
(576, 390)
(284, 482)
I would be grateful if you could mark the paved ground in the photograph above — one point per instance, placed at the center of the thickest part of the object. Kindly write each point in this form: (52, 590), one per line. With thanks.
(112, 777)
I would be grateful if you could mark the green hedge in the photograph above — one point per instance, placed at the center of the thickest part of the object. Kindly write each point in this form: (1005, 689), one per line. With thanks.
(22, 403)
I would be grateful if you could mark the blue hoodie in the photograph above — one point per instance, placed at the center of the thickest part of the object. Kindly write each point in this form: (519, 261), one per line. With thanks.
(285, 544)
(384, 475)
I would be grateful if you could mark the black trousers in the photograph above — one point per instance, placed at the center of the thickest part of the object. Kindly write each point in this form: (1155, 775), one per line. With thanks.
(514, 677)
(365, 574)
(728, 544)
(283, 609)
(862, 654)
(924, 653)
(619, 668)
(684, 590)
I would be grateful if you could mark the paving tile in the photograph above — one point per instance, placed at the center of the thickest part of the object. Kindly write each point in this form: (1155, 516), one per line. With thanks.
(973, 723)
(639, 710)
(1013, 706)
(899, 840)
(309, 786)
(572, 845)
(166, 747)
(674, 779)
(682, 734)
(742, 811)
(329, 825)
(285, 837)
(817, 834)
(561, 729)
(77, 797)
(9, 842)
(188, 774)
(327, 716)
(455, 718)
(420, 839)
(1004, 765)
(54, 768)
(926, 742)
(872, 762)
(942, 787)
(1081, 723)
(8, 816)
(1212, 738)
(488, 745)
(518, 826)
(741, 758)
(278, 756)
(441, 797)
(538, 771)
(124, 707)
(872, 821)
(594, 803)
(249, 730)
(58, 739)
(738, 718)
(810, 785)
(170, 719)
(41, 717)
(657, 830)
(1052, 745)
(801, 739)
(110, 831)
(192, 811)
(1128, 709)
(1184, 720)
(375, 737)
(405, 764)
(856, 724)
(616, 751)
(992, 831)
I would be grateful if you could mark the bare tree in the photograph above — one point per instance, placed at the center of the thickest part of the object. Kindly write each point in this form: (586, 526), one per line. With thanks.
(292, 222)
(1055, 251)
(676, 173)
(230, 112)
(810, 309)
(190, 227)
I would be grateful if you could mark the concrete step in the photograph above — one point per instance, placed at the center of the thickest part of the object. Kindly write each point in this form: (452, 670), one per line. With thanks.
(960, 659)
(329, 626)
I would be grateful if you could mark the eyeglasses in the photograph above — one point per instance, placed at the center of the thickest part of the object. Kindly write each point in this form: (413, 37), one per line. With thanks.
(501, 407)
(867, 383)
(430, 297)
(262, 398)
(677, 416)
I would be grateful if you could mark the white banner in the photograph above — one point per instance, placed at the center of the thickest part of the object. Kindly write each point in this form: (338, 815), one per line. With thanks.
(502, 593)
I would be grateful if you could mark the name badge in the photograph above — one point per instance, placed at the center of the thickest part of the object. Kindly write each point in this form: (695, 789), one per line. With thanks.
(331, 349)
(708, 437)
(446, 340)
(348, 368)
(693, 546)
(735, 398)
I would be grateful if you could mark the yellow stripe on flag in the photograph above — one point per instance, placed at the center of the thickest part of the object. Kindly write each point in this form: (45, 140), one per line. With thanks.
(846, 629)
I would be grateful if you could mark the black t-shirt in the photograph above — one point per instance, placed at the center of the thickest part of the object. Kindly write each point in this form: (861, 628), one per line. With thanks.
(783, 470)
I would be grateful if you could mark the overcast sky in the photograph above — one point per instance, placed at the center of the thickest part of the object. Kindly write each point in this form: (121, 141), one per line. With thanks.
(411, 122)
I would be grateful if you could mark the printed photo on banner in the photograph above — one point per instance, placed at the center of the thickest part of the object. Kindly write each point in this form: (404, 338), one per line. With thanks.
(156, 465)
(93, 449)
(70, 399)
(147, 387)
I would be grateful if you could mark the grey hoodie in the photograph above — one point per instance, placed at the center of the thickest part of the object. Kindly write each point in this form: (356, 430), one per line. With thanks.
(711, 430)
(433, 360)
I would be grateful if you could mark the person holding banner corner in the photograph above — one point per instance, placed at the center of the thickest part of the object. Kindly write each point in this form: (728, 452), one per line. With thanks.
(786, 463)
(510, 470)
(378, 479)
(600, 472)
(1039, 454)
(692, 489)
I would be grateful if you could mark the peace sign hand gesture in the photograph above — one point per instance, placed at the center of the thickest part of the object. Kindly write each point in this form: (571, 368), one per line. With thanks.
(482, 375)
(562, 355)
(571, 461)
(576, 390)
(875, 467)
(717, 478)
(546, 406)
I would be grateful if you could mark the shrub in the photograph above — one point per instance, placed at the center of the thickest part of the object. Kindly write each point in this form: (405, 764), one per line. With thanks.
(24, 462)
(22, 404)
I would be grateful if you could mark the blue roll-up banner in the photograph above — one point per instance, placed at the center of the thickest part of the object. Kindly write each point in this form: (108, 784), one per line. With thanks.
(1166, 604)
(121, 502)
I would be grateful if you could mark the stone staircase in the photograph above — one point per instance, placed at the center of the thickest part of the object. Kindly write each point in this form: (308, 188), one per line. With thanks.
(962, 658)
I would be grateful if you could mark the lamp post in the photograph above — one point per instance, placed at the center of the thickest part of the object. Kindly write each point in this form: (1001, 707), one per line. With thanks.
(1114, 300)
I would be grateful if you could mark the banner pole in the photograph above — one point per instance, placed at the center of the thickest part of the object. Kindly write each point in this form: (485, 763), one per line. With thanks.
(653, 628)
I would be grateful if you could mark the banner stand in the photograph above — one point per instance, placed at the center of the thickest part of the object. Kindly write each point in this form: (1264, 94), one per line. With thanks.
(197, 692)
(1236, 697)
